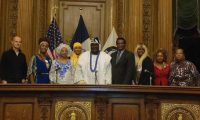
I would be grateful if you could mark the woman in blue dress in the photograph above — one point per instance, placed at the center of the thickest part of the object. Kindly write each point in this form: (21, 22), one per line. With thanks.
(40, 64)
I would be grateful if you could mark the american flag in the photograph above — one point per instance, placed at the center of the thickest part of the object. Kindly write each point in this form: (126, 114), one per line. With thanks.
(55, 38)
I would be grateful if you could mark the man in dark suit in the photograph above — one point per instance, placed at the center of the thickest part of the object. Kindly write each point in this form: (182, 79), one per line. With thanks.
(123, 62)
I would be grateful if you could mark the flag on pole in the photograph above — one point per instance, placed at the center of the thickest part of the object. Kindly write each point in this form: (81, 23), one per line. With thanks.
(55, 38)
(110, 44)
(81, 35)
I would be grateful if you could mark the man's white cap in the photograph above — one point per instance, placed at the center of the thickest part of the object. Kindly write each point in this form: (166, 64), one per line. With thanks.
(95, 40)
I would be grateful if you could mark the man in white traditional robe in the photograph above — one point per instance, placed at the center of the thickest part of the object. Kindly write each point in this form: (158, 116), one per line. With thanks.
(94, 66)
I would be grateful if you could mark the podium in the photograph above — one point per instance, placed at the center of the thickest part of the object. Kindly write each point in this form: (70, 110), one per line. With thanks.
(98, 102)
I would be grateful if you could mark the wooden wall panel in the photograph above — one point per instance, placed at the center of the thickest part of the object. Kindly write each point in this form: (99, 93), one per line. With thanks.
(24, 25)
(129, 109)
(39, 23)
(130, 112)
(127, 20)
(148, 21)
(24, 111)
(134, 24)
(165, 36)
(18, 108)
(104, 16)
(154, 26)
(93, 14)
(26, 19)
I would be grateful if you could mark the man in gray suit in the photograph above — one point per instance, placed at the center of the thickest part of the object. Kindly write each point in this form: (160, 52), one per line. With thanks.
(123, 64)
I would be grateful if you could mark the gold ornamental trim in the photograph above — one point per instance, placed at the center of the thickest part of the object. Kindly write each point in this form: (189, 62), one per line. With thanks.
(171, 111)
(73, 110)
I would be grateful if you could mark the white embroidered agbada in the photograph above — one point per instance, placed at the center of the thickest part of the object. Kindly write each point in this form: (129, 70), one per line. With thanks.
(103, 69)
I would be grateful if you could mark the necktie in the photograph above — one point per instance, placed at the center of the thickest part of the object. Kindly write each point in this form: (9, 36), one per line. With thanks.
(118, 56)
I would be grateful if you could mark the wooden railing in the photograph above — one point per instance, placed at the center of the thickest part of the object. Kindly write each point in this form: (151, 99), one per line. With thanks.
(98, 102)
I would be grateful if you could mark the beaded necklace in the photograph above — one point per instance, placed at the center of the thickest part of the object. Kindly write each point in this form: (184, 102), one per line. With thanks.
(95, 67)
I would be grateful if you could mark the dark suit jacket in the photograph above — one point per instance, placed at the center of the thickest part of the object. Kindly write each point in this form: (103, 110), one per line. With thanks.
(147, 71)
(123, 72)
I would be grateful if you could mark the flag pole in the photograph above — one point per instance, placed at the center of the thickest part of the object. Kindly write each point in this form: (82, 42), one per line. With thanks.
(53, 34)
(54, 10)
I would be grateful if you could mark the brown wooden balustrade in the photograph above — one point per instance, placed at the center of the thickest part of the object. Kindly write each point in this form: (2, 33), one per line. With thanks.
(102, 102)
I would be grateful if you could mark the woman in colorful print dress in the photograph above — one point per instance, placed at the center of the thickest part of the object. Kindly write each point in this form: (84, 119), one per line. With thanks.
(61, 69)
(38, 71)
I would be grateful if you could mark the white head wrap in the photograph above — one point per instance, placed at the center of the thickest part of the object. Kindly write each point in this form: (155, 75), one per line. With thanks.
(95, 40)
(58, 49)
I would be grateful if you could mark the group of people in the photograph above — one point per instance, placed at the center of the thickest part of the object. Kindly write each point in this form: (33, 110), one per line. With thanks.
(97, 67)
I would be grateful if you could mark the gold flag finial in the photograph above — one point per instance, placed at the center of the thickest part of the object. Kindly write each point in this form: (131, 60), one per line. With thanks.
(54, 11)
(80, 9)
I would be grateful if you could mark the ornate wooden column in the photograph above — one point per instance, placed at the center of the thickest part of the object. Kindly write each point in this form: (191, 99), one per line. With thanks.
(101, 104)
(152, 108)
(45, 107)
(165, 25)
(150, 22)
(8, 22)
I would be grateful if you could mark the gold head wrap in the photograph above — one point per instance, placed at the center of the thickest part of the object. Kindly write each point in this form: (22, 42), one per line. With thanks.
(77, 44)
(74, 57)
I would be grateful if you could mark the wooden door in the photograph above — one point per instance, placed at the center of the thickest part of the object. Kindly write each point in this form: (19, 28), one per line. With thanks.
(93, 14)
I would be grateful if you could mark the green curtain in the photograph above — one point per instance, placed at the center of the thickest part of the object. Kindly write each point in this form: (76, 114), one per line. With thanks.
(199, 14)
(187, 13)
(174, 15)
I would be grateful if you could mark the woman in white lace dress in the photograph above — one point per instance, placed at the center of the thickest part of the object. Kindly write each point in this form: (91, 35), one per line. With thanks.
(61, 69)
